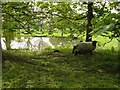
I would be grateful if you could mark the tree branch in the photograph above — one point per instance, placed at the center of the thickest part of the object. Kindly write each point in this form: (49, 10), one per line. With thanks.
(118, 40)
(75, 18)
(15, 19)
(105, 36)
(108, 42)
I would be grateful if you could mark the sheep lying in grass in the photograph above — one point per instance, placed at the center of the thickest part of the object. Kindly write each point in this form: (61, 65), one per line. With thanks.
(84, 47)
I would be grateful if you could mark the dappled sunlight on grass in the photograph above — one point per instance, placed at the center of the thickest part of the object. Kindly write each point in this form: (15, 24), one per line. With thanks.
(49, 69)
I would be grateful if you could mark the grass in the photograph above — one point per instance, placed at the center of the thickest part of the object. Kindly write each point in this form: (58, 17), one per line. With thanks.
(49, 69)
(44, 33)
(57, 33)
(101, 40)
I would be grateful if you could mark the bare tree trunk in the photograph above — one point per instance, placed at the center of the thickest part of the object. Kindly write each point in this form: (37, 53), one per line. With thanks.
(50, 31)
(89, 18)
(70, 29)
(62, 32)
(8, 42)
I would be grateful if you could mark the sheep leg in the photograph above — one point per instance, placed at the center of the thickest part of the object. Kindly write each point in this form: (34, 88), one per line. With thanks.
(76, 53)
(74, 47)
(91, 53)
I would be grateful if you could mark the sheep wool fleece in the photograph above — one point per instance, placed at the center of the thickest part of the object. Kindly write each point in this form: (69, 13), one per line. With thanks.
(85, 46)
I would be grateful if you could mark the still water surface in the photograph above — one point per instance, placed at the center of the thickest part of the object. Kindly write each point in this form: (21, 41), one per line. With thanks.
(36, 43)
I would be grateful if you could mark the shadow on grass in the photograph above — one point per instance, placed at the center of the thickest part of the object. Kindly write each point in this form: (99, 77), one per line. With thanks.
(49, 69)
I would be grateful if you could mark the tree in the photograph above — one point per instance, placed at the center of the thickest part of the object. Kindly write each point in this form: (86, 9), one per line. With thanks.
(106, 22)
(89, 18)
(99, 17)
(23, 13)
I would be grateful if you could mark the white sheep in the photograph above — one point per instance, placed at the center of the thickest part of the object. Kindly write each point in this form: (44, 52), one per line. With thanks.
(84, 47)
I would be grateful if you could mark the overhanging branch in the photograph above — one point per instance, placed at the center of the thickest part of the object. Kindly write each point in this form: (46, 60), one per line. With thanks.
(108, 42)
(15, 19)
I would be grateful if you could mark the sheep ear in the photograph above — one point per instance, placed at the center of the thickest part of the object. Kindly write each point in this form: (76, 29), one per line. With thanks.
(94, 43)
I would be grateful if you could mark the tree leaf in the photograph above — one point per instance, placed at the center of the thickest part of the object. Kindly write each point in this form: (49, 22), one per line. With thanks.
(105, 28)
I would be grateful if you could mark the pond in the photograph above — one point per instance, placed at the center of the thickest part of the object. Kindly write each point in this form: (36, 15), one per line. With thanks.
(35, 43)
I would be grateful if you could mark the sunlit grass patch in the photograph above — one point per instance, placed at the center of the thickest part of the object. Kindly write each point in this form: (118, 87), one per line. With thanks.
(49, 69)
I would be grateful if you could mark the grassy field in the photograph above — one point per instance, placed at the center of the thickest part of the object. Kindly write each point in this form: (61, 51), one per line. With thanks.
(101, 40)
(56, 33)
(49, 69)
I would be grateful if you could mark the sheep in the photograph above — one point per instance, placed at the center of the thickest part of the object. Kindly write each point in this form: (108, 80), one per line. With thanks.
(84, 47)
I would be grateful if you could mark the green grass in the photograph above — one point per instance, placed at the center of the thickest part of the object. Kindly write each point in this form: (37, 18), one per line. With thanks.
(113, 45)
(49, 69)
(56, 33)
(101, 40)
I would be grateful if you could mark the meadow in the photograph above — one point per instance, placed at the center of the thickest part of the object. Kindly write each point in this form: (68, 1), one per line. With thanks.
(49, 69)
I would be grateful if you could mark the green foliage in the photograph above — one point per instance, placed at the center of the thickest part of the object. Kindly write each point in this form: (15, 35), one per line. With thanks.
(107, 23)
(48, 48)
(62, 15)
(105, 28)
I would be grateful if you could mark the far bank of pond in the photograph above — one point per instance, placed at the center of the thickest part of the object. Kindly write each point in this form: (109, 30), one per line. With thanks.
(39, 43)
(36, 43)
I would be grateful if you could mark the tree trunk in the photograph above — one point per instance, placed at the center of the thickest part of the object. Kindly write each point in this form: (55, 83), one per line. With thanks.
(41, 29)
(28, 28)
(89, 18)
(50, 31)
(70, 29)
(8, 42)
(62, 32)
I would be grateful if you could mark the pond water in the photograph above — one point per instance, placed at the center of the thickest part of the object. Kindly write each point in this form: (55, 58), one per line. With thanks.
(35, 43)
